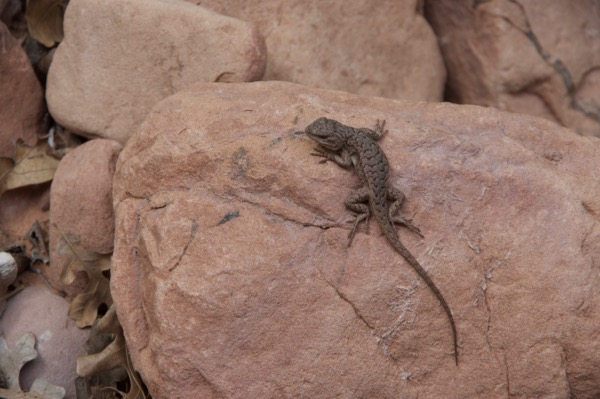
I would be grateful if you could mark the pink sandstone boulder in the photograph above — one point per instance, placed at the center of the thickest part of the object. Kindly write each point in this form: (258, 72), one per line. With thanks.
(535, 57)
(232, 276)
(119, 58)
(58, 341)
(81, 204)
(378, 48)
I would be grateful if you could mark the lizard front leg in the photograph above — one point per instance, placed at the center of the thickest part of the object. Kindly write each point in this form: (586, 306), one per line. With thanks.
(343, 159)
(397, 198)
(356, 203)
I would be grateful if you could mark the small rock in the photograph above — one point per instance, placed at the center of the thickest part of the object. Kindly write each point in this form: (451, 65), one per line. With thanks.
(59, 341)
(81, 204)
(22, 100)
(105, 77)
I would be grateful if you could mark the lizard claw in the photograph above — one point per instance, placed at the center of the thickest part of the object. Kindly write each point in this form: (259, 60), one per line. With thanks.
(415, 230)
(380, 127)
(319, 152)
(407, 223)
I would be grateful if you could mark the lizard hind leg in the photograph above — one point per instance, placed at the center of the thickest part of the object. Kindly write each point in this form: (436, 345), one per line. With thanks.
(397, 198)
(356, 203)
(376, 134)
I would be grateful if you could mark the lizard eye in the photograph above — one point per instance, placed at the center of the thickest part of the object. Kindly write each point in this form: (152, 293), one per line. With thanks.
(323, 132)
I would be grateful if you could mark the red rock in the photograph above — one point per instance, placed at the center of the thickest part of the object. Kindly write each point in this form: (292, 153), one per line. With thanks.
(383, 48)
(81, 204)
(105, 77)
(22, 101)
(525, 56)
(58, 341)
(232, 277)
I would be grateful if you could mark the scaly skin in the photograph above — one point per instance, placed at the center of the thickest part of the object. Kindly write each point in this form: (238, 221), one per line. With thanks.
(347, 147)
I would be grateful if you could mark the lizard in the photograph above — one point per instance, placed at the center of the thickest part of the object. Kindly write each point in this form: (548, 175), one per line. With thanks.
(356, 147)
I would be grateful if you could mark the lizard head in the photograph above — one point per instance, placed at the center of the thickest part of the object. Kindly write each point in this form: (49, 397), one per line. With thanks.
(325, 132)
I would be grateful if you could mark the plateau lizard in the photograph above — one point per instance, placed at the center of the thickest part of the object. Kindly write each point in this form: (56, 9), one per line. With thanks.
(347, 147)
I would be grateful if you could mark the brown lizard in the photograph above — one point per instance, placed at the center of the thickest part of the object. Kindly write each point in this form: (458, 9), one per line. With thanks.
(348, 146)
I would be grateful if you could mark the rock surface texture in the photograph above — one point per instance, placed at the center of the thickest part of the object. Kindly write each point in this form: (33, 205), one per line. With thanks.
(377, 48)
(58, 341)
(524, 56)
(105, 77)
(81, 204)
(233, 279)
(21, 98)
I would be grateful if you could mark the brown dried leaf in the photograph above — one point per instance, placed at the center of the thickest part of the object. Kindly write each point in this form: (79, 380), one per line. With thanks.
(6, 166)
(45, 20)
(84, 308)
(38, 237)
(136, 391)
(113, 355)
(32, 165)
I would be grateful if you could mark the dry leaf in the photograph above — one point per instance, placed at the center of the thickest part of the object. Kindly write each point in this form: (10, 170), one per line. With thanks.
(136, 390)
(11, 360)
(45, 20)
(38, 237)
(39, 390)
(6, 165)
(113, 355)
(11, 394)
(47, 390)
(32, 165)
(84, 308)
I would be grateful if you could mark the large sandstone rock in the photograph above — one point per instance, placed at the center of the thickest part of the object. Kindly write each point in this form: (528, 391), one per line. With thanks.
(119, 58)
(378, 48)
(232, 277)
(21, 98)
(527, 56)
(81, 205)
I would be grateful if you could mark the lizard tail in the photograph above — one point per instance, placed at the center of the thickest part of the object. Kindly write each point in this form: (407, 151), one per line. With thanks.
(392, 238)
